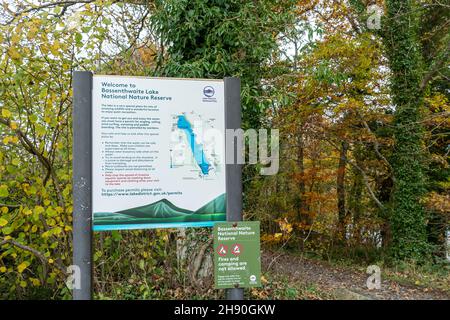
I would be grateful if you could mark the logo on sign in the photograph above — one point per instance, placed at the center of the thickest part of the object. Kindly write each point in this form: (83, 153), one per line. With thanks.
(208, 91)
(208, 94)
(222, 250)
(236, 249)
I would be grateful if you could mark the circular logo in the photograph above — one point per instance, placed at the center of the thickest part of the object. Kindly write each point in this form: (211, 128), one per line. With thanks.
(252, 278)
(208, 91)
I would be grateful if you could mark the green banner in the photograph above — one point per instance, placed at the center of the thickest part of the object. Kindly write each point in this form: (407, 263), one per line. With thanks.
(237, 255)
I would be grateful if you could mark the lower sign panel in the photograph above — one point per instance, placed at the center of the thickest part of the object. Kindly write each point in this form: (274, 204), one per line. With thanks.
(237, 255)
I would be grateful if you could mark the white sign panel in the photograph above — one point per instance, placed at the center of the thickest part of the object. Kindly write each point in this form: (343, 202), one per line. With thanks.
(158, 152)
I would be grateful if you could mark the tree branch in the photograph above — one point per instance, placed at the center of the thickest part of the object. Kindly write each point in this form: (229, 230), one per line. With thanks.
(37, 253)
(436, 66)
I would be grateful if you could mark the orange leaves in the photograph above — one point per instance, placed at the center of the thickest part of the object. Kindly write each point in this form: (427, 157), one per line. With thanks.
(438, 202)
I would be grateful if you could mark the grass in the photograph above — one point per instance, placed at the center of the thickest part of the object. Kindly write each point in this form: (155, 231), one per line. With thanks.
(281, 287)
(428, 276)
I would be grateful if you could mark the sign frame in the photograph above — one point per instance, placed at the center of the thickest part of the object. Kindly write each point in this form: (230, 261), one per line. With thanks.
(82, 176)
(164, 112)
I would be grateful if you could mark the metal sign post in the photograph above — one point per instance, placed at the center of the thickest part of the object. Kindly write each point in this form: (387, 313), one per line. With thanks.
(82, 183)
(233, 170)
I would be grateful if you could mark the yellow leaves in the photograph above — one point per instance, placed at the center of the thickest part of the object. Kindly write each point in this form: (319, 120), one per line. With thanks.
(264, 280)
(34, 26)
(2, 269)
(27, 212)
(286, 229)
(13, 125)
(3, 222)
(51, 261)
(34, 229)
(437, 102)
(259, 293)
(23, 284)
(4, 210)
(35, 282)
(44, 48)
(38, 210)
(285, 226)
(32, 32)
(6, 113)
(54, 48)
(46, 234)
(67, 228)
(21, 267)
(437, 202)
(10, 139)
(55, 231)
(15, 38)
(14, 53)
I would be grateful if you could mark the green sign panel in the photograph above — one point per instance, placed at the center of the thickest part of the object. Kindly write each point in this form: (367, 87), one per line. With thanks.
(237, 259)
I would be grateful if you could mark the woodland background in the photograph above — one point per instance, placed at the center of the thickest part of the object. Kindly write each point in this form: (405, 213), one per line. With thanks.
(364, 137)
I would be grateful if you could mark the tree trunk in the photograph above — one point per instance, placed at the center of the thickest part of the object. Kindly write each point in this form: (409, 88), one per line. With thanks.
(302, 209)
(408, 220)
(356, 192)
(340, 186)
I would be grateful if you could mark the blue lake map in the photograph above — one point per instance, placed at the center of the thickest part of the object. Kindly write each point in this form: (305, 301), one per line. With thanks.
(197, 149)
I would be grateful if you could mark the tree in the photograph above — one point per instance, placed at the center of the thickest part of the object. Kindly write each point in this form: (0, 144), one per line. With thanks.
(401, 38)
(216, 39)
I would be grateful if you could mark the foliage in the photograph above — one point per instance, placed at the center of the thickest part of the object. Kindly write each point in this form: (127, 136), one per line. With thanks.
(363, 116)
(216, 39)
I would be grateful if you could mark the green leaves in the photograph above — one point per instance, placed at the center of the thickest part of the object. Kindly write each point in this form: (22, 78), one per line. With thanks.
(6, 113)
(33, 118)
(3, 222)
(221, 38)
(4, 192)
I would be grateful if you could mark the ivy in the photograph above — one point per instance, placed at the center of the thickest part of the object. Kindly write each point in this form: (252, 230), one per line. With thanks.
(408, 218)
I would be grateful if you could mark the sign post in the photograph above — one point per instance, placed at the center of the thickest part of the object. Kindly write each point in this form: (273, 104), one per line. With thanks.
(82, 184)
(234, 170)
